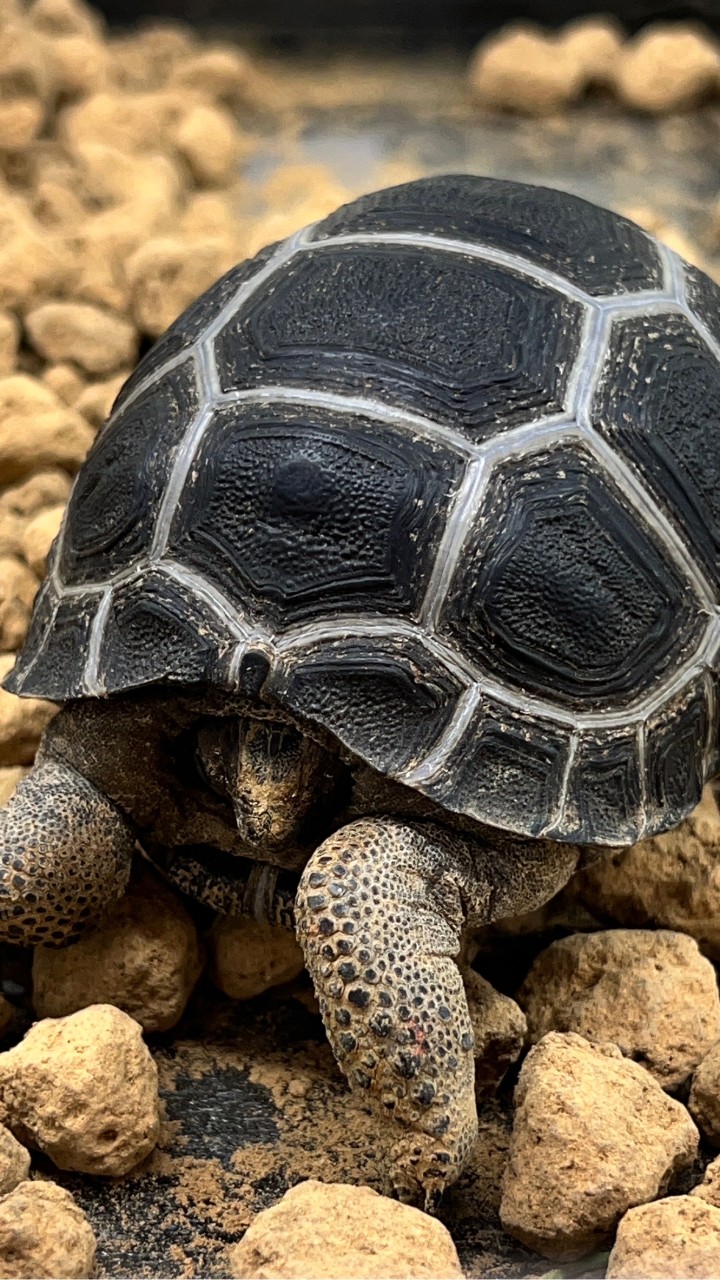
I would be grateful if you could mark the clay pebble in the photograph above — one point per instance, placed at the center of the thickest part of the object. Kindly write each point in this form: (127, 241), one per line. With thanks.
(247, 958)
(678, 1236)
(648, 991)
(144, 959)
(83, 1090)
(593, 1135)
(44, 1234)
(326, 1230)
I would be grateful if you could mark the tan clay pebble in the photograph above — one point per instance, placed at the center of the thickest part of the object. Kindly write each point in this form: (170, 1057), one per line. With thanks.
(20, 122)
(132, 122)
(222, 72)
(594, 44)
(246, 958)
(44, 489)
(40, 533)
(37, 431)
(66, 381)
(704, 1100)
(326, 1230)
(22, 720)
(145, 959)
(65, 18)
(33, 263)
(12, 530)
(83, 1090)
(18, 588)
(208, 140)
(9, 341)
(499, 1027)
(96, 340)
(672, 880)
(10, 775)
(165, 275)
(96, 401)
(648, 991)
(709, 1188)
(676, 1237)
(14, 1161)
(80, 65)
(45, 1234)
(593, 1135)
(667, 67)
(523, 69)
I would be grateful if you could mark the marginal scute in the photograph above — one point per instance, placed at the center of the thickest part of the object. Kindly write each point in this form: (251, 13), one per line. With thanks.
(561, 592)
(388, 705)
(476, 346)
(191, 325)
(675, 740)
(506, 770)
(304, 513)
(115, 501)
(658, 404)
(158, 630)
(704, 298)
(60, 666)
(594, 249)
(604, 798)
(19, 680)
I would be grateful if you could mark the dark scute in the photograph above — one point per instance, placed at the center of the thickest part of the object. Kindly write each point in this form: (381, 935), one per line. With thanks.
(388, 708)
(295, 514)
(604, 795)
(463, 341)
(117, 493)
(191, 325)
(595, 249)
(659, 405)
(704, 298)
(675, 744)
(506, 770)
(58, 672)
(158, 631)
(561, 591)
(20, 678)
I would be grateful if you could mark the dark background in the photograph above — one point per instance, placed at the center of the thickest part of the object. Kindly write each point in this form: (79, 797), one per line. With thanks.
(413, 22)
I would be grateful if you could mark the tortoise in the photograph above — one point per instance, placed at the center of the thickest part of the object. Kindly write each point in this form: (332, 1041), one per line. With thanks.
(387, 594)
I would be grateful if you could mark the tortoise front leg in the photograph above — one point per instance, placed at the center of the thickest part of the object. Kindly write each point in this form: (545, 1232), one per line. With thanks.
(65, 855)
(380, 912)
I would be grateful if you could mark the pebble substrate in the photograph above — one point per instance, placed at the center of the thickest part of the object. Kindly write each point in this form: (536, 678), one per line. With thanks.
(121, 198)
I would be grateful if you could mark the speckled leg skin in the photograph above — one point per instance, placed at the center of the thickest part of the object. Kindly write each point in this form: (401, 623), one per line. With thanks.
(65, 854)
(380, 910)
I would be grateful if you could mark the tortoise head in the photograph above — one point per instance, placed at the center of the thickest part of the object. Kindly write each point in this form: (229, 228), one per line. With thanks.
(270, 772)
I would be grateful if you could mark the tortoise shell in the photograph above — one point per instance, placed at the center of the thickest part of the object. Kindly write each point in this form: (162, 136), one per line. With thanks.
(441, 474)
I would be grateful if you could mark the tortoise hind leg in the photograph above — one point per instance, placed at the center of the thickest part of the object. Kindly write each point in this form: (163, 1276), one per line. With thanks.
(65, 856)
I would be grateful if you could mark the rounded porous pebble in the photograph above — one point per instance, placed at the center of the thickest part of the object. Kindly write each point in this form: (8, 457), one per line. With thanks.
(18, 588)
(523, 69)
(246, 957)
(208, 140)
(66, 381)
(166, 274)
(83, 1090)
(667, 67)
(9, 341)
(39, 535)
(37, 430)
(44, 489)
(676, 1237)
(95, 339)
(593, 1135)
(709, 1188)
(45, 1234)
(14, 1161)
(145, 959)
(671, 881)
(704, 1100)
(594, 44)
(499, 1027)
(96, 400)
(325, 1230)
(22, 720)
(649, 992)
(10, 775)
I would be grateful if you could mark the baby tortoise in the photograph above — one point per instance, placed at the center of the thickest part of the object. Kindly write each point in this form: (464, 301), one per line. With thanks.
(395, 568)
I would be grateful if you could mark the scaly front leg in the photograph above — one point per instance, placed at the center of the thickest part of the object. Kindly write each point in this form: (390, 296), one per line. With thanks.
(65, 855)
(380, 911)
